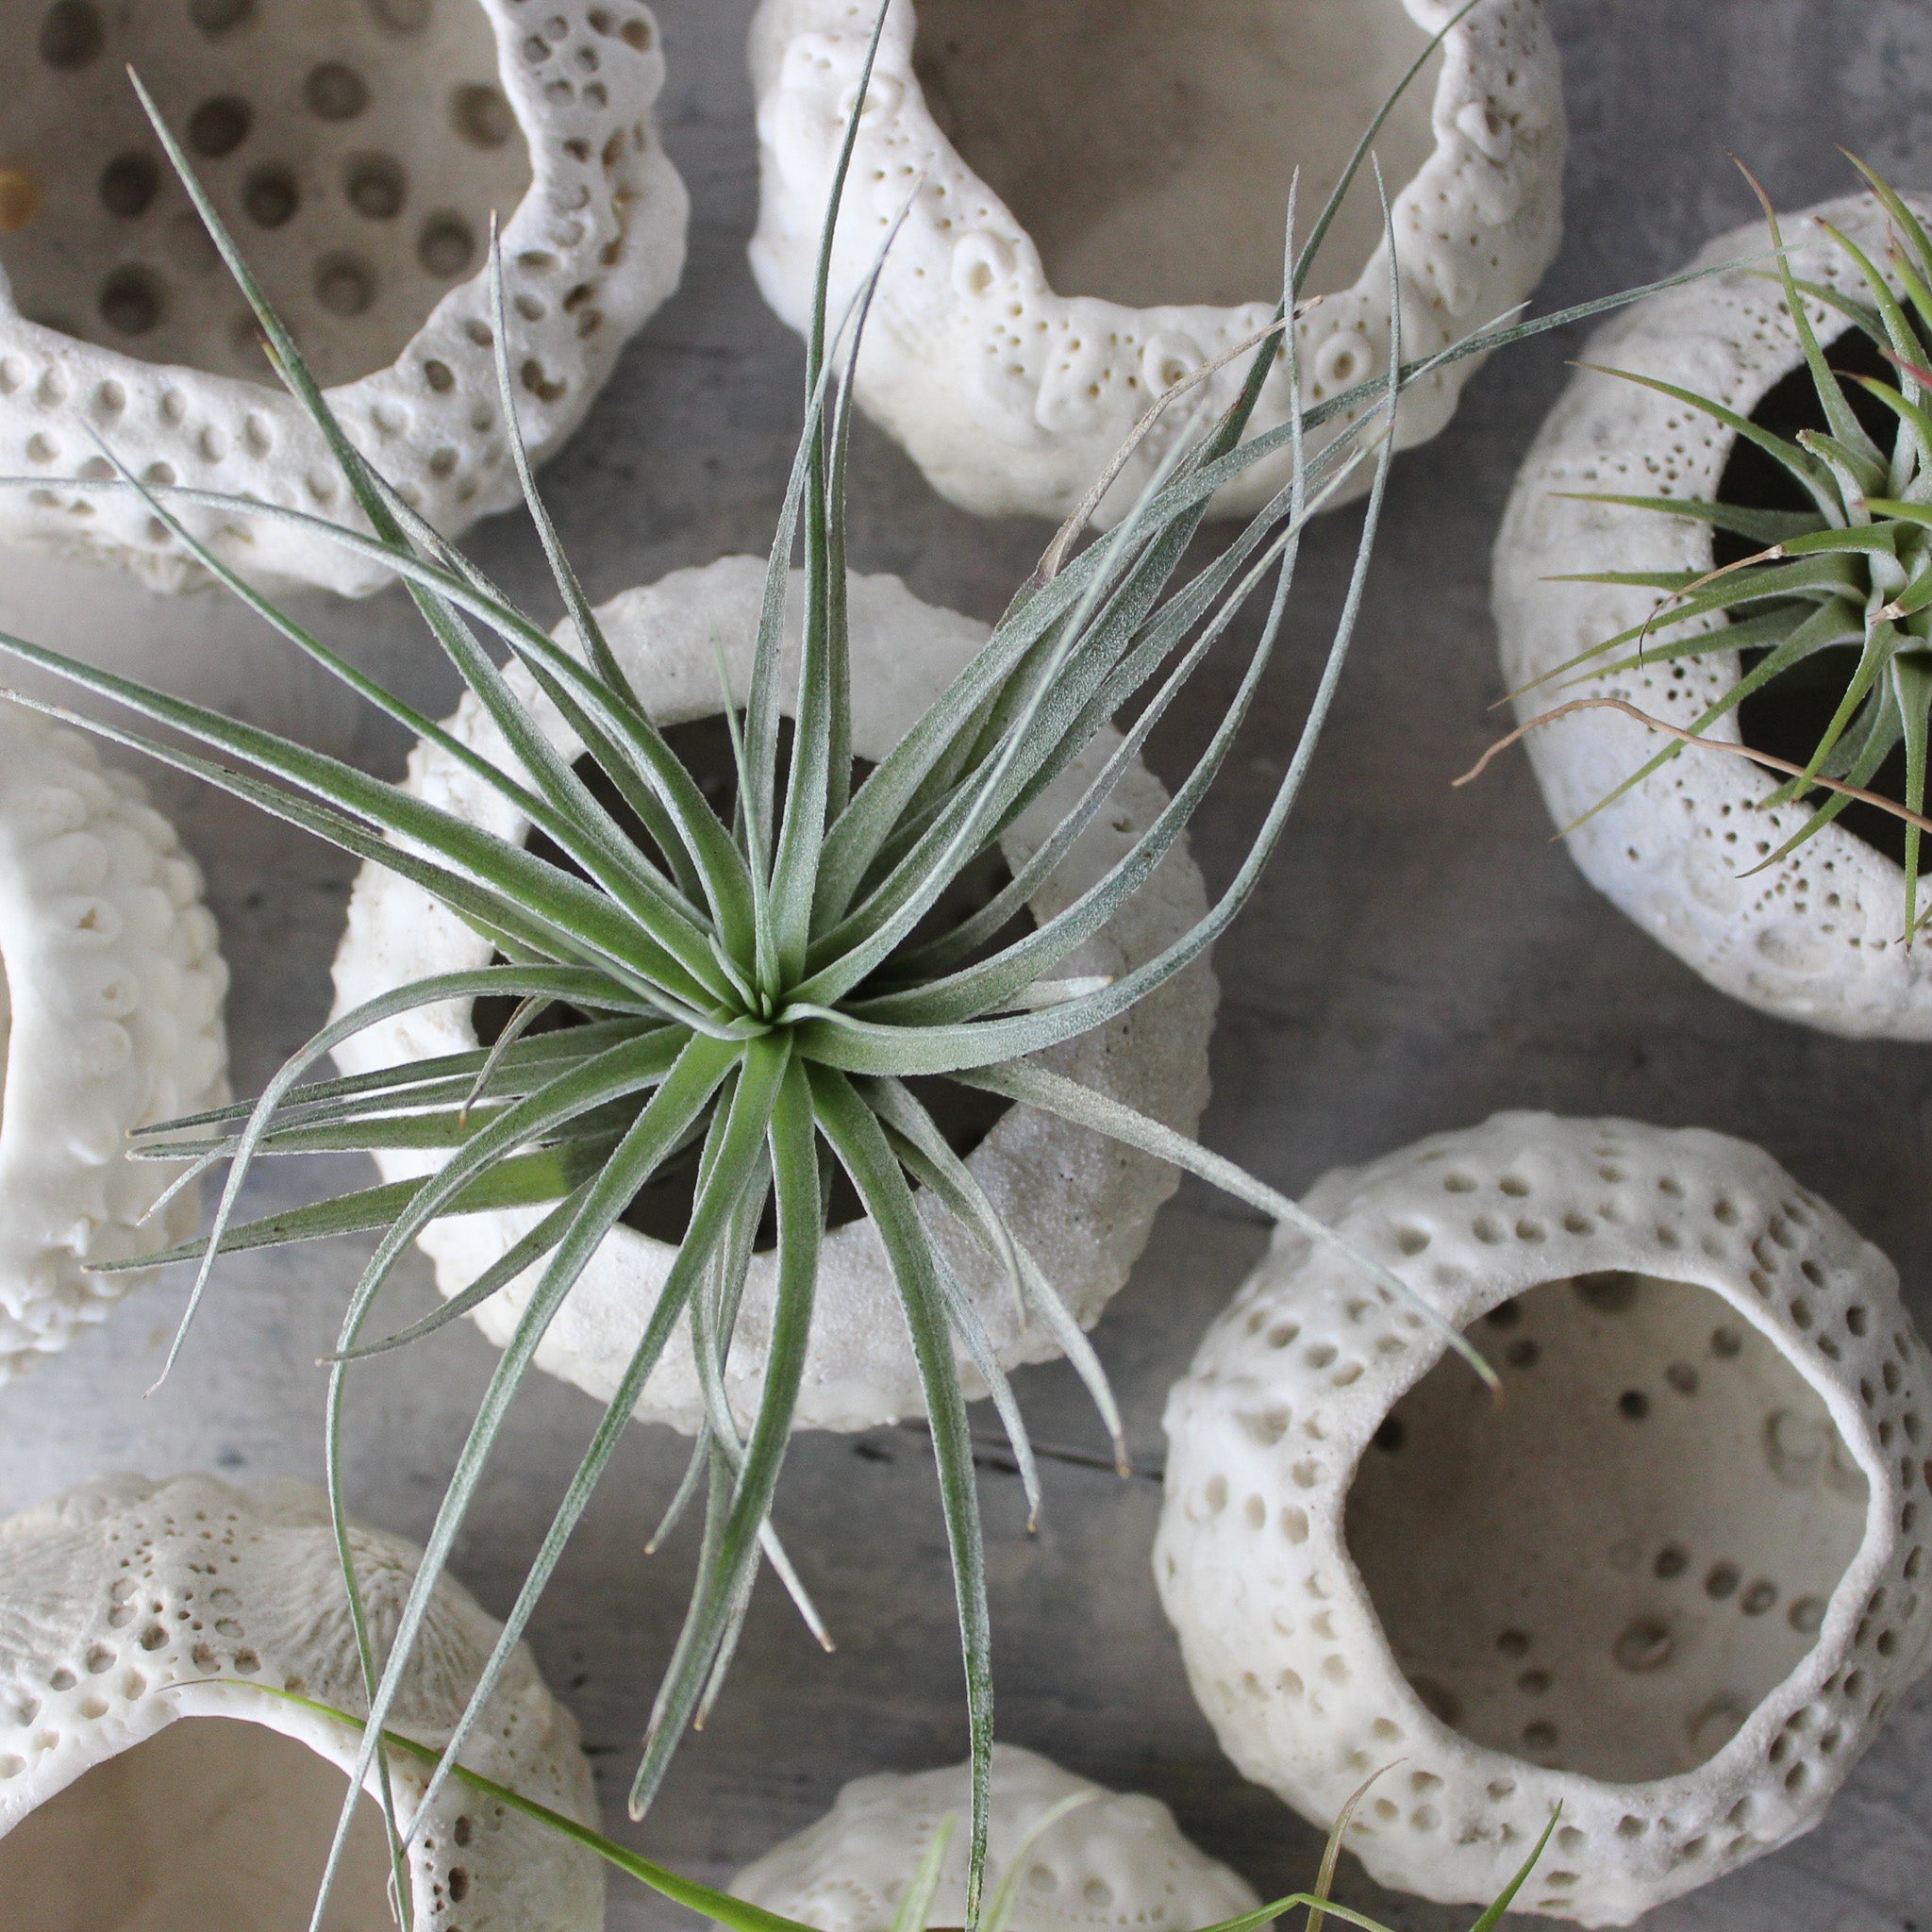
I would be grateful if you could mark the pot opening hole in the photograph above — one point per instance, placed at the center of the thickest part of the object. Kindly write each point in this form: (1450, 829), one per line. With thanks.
(332, 144)
(1789, 714)
(1147, 145)
(211, 1826)
(1607, 1572)
(965, 1115)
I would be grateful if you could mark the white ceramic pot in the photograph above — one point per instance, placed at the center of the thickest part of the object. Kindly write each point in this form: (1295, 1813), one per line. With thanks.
(1817, 937)
(1672, 1581)
(357, 149)
(110, 1017)
(1101, 205)
(148, 1780)
(1082, 1205)
(1115, 1860)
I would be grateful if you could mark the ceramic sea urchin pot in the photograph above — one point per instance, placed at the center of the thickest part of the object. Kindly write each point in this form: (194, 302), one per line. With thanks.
(357, 149)
(1817, 937)
(1672, 1582)
(110, 1017)
(149, 1778)
(1101, 204)
(1083, 1206)
(1114, 1860)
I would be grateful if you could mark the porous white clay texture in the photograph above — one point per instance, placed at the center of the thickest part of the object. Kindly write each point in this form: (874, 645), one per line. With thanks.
(1102, 187)
(1674, 1581)
(110, 1017)
(150, 1782)
(356, 150)
(1113, 1861)
(1816, 937)
(1081, 1204)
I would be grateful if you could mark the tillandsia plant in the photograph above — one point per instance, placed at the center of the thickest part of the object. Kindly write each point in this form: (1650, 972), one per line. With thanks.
(1836, 594)
(758, 987)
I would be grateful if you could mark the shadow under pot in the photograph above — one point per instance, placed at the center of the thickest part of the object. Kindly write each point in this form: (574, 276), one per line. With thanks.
(358, 154)
(1686, 854)
(1673, 1582)
(1101, 200)
(110, 1019)
(1083, 1206)
(1110, 1857)
(150, 1775)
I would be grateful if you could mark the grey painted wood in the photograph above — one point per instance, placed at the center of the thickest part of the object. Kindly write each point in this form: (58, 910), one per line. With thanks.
(1417, 957)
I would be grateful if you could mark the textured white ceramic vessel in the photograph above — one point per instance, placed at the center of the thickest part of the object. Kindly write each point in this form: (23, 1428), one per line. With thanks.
(358, 150)
(110, 1017)
(1081, 1204)
(147, 1781)
(1011, 381)
(1672, 1582)
(1113, 1861)
(1817, 937)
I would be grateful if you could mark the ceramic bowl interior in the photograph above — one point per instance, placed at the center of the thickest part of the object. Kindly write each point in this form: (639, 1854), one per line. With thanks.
(1147, 145)
(356, 149)
(1606, 1571)
(213, 1824)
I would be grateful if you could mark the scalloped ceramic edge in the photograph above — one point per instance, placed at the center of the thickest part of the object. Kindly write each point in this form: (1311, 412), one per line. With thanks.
(1011, 397)
(1288, 1655)
(1083, 1206)
(593, 248)
(129, 1604)
(1117, 1861)
(1817, 937)
(111, 1016)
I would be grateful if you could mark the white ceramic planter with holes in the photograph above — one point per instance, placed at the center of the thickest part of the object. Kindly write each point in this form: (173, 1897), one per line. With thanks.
(1100, 195)
(1817, 937)
(110, 1017)
(1083, 1206)
(358, 150)
(1673, 1582)
(150, 1777)
(1113, 1860)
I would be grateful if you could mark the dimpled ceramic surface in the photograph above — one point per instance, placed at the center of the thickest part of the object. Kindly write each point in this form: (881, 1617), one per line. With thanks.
(1082, 1205)
(1672, 1582)
(357, 149)
(1016, 341)
(1815, 936)
(1114, 1861)
(127, 1605)
(110, 1017)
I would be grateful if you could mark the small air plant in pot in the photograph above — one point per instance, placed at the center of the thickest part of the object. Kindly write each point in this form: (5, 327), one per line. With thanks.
(1779, 415)
(750, 984)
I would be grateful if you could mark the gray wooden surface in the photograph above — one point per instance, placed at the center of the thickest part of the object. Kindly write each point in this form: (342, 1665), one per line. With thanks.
(1417, 957)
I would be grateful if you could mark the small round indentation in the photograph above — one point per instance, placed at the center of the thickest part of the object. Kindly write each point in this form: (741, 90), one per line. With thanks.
(1523, 1354)
(446, 245)
(1513, 1644)
(1805, 1615)
(1759, 1598)
(1682, 1378)
(1540, 1734)
(376, 185)
(220, 125)
(130, 301)
(1722, 1581)
(481, 116)
(1726, 1343)
(71, 34)
(345, 284)
(1633, 1404)
(1671, 1561)
(334, 93)
(1609, 1291)
(128, 183)
(270, 195)
(1645, 1643)
(218, 17)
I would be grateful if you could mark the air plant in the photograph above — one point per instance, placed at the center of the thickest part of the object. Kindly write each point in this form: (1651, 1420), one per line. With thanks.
(1843, 586)
(756, 987)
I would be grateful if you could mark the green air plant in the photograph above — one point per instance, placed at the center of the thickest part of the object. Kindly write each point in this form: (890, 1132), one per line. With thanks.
(1836, 596)
(753, 988)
